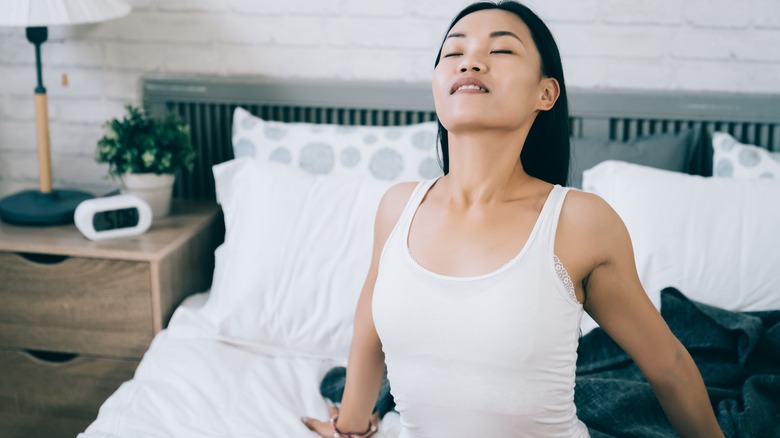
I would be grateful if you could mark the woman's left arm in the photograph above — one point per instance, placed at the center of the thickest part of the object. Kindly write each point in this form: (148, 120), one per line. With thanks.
(617, 301)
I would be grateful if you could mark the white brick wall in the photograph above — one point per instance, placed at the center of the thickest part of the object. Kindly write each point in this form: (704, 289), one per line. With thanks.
(722, 45)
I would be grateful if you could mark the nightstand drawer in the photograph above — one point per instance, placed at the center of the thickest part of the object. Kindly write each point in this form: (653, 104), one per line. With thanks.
(40, 396)
(74, 304)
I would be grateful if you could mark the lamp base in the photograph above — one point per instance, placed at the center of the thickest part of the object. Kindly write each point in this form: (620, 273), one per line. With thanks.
(32, 207)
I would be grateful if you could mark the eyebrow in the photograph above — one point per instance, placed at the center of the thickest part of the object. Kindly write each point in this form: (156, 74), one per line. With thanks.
(498, 33)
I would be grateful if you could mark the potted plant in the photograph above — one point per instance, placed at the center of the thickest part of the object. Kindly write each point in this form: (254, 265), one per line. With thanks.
(145, 154)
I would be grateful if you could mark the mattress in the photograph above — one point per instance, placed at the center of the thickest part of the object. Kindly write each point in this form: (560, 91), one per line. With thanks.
(187, 386)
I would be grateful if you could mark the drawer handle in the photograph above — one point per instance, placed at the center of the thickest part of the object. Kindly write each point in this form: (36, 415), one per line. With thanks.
(51, 357)
(43, 259)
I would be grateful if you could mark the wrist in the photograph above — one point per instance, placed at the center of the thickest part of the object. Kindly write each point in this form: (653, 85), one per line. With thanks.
(349, 422)
(342, 432)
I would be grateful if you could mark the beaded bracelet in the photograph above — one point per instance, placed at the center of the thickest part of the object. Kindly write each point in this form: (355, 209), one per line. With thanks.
(339, 434)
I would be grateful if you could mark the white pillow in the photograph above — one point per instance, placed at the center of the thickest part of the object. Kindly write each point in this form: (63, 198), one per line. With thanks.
(296, 253)
(732, 159)
(717, 240)
(387, 153)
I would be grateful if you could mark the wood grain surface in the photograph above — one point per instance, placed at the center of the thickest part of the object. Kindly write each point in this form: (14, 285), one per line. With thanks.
(40, 399)
(80, 305)
(165, 234)
(95, 307)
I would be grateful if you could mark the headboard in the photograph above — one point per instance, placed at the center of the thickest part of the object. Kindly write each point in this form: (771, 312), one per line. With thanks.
(206, 103)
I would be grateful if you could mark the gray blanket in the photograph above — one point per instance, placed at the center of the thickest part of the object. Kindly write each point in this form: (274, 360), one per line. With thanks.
(738, 355)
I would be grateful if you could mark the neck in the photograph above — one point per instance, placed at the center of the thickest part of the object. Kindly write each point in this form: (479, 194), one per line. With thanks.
(485, 166)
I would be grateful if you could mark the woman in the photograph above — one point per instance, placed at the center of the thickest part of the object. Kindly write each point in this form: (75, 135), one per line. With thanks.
(476, 345)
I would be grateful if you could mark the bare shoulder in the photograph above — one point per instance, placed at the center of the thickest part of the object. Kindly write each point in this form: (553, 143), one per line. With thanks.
(589, 227)
(588, 210)
(390, 207)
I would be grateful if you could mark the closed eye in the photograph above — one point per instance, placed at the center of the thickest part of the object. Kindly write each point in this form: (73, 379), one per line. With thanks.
(452, 54)
(506, 52)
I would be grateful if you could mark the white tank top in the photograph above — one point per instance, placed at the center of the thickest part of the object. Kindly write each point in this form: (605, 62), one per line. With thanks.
(488, 355)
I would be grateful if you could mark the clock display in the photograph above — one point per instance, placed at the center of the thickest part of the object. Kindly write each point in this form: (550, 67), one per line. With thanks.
(115, 219)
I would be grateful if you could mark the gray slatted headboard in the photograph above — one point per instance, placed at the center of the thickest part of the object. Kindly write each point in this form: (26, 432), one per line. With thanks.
(207, 104)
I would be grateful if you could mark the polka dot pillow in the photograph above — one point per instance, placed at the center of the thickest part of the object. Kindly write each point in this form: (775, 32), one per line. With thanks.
(732, 159)
(386, 153)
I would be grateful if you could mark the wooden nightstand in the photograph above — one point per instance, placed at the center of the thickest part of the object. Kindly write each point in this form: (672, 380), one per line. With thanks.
(76, 316)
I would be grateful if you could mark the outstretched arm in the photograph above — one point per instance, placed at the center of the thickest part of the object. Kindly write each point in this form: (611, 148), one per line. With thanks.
(617, 301)
(366, 363)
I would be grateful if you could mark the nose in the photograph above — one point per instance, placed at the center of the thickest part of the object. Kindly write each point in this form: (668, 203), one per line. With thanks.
(470, 63)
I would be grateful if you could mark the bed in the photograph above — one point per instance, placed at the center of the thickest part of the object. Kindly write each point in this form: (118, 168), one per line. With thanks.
(298, 167)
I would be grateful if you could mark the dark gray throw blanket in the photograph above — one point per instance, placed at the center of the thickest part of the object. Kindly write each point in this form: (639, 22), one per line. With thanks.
(737, 353)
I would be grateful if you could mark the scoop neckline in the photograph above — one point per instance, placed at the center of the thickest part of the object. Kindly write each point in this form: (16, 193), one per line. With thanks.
(504, 267)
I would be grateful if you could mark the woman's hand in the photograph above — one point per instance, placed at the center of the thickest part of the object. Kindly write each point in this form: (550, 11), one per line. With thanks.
(323, 428)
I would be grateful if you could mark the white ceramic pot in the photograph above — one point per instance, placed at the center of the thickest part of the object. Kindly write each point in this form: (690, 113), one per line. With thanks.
(155, 189)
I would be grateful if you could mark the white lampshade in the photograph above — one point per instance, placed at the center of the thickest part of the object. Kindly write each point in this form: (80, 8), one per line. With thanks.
(34, 13)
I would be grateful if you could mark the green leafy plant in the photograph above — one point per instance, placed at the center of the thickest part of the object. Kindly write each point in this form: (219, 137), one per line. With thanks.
(138, 143)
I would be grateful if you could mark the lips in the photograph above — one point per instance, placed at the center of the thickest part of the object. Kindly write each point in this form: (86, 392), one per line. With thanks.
(469, 84)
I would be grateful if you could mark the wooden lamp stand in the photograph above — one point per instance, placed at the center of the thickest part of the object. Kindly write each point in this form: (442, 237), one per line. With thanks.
(45, 206)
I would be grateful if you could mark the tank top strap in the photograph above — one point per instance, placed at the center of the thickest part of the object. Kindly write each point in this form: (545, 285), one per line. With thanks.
(414, 200)
(397, 235)
(549, 222)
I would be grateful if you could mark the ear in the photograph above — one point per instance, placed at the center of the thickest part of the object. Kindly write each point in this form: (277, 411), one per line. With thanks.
(549, 90)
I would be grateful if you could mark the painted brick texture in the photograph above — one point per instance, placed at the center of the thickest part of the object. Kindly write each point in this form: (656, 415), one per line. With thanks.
(719, 45)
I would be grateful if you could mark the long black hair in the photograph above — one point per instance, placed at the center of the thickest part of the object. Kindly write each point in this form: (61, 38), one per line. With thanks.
(547, 149)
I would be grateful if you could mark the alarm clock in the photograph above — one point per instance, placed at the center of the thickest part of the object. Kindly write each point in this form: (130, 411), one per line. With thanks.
(112, 217)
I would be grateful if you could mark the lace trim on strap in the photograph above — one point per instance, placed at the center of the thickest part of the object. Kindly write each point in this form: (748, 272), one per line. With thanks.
(564, 276)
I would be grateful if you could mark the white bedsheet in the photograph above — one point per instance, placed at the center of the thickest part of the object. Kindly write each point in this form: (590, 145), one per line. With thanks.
(190, 387)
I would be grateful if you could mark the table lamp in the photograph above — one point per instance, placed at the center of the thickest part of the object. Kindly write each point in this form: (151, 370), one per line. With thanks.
(48, 206)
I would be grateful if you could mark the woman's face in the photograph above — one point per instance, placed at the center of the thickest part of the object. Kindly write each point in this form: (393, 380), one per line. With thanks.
(489, 74)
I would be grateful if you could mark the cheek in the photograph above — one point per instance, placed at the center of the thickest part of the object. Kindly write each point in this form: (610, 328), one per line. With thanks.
(440, 88)
(439, 82)
(522, 91)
